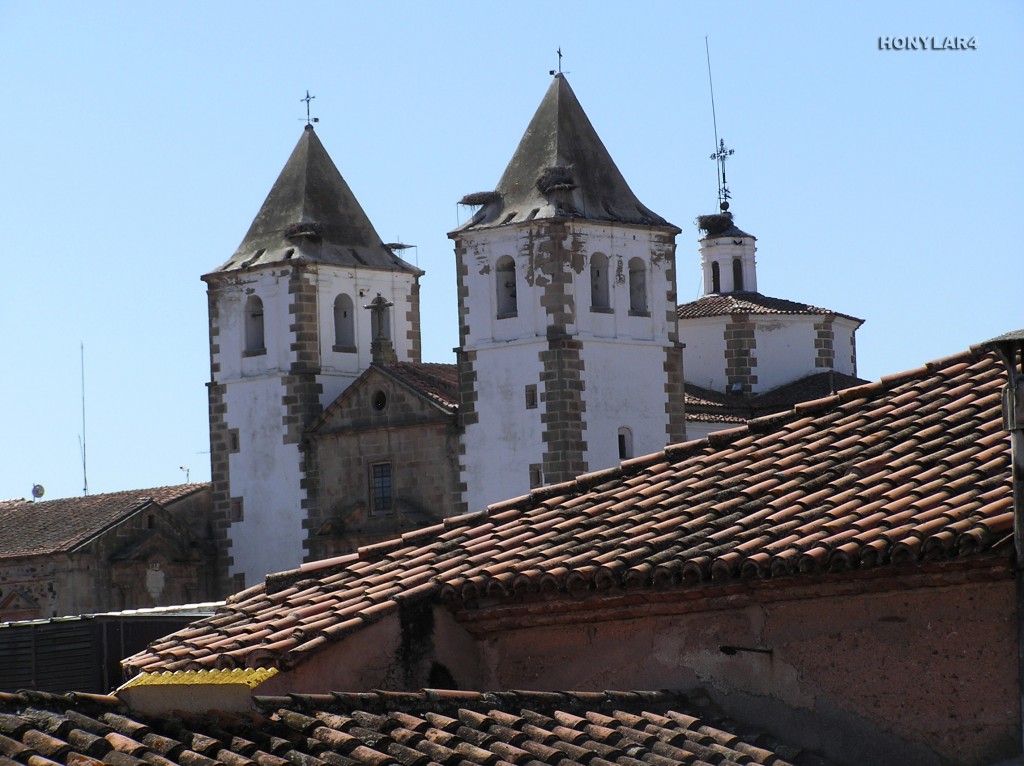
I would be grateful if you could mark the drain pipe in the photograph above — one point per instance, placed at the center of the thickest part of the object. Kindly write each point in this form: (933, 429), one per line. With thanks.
(1010, 349)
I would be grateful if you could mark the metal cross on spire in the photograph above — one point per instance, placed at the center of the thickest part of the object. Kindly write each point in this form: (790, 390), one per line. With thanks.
(720, 156)
(307, 99)
(552, 71)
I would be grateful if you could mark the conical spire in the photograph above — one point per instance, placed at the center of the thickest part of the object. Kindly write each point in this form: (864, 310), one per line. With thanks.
(310, 213)
(561, 170)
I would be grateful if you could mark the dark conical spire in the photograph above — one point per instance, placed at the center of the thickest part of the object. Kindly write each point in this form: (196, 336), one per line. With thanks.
(561, 170)
(310, 213)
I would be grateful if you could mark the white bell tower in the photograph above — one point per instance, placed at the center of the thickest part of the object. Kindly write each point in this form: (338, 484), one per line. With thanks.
(288, 333)
(569, 359)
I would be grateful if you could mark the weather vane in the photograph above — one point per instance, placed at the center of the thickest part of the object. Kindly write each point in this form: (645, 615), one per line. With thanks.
(723, 190)
(721, 152)
(307, 99)
(552, 71)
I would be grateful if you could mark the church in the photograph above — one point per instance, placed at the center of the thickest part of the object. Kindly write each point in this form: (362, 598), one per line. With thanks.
(327, 429)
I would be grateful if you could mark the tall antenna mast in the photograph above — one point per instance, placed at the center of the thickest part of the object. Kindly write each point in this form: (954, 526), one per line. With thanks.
(81, 439)
(721, 152)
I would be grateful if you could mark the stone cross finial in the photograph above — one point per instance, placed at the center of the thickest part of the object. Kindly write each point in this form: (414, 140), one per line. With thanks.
(381, 348)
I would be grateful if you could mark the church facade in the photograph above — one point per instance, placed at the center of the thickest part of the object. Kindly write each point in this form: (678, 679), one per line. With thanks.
(327, 430)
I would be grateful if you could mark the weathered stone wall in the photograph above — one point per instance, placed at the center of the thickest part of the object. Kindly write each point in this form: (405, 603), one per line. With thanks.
(415, 437)
(917, 669)
(923, 675)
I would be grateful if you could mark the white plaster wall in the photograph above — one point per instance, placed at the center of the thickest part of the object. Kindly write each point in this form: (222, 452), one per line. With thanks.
(619, 243)
(362, 286)
(699, 429)
(704, 355)
(232, 295)
(785, 349)
(625, 386)
(265, 473)
(724, 251)
(507, 438)
(845, 345)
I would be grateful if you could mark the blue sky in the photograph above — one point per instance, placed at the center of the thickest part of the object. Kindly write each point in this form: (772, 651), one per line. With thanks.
(140, 138)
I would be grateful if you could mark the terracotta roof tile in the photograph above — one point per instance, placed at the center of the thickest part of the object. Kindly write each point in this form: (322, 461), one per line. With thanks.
(887, 475)
(747, 303)
(56, 526)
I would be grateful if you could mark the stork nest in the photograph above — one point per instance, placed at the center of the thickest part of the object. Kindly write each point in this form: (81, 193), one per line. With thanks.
(554, 178)
(716, 223)
(480, 198)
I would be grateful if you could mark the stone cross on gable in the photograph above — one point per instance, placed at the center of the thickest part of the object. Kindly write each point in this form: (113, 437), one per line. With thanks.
(379, 310)
(381, 347)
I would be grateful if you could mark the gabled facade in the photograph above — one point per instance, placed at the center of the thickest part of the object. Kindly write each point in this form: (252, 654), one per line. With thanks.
(386, 452)
(566, 299)
(290, 328)
(122, 550)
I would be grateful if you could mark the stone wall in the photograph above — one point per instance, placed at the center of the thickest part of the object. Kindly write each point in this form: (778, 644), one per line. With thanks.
(381, 421)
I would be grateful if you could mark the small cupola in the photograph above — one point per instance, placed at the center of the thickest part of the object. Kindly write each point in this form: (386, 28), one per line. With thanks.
(727, 255)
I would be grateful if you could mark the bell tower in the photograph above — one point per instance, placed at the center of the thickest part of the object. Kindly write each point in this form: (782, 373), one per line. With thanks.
(288, 334)
(569, 359)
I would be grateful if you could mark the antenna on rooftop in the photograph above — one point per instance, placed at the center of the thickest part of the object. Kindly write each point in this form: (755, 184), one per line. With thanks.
(721, 151)
(309, 120)
(81, 438)
(400, 245)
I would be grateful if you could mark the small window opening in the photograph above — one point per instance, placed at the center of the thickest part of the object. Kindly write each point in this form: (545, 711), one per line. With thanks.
(737, 274)
(344, 324)
(531, 397)
(380, 401)
(536, 475)
(254, 342)
(150, 522)
(599, 297)
(637, 286)
(625, 443)
(233, 445)
(235, 509)
(380, 488)
(716, 278)
(505, 285)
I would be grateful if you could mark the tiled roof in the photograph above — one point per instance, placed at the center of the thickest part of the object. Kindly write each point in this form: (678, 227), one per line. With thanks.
(430, 728)
(912, 469)
(311, 214)
(706, 405)
(438, 382)
(719, 304)
(56, 526)
(561, 169)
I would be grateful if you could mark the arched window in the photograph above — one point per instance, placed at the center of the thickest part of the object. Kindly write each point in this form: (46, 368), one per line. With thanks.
(599, 281)
(637, 286)
(716, 278)
(737, 274)
(254, 344)
(625, 443)
(505, 284)
(344, 324)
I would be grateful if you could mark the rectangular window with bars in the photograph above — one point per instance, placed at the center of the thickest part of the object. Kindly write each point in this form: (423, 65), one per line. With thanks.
(380, 488)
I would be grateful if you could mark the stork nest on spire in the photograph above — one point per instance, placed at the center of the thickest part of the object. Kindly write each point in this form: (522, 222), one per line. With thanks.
(716, 223)
(554, 178)
(480, 198)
